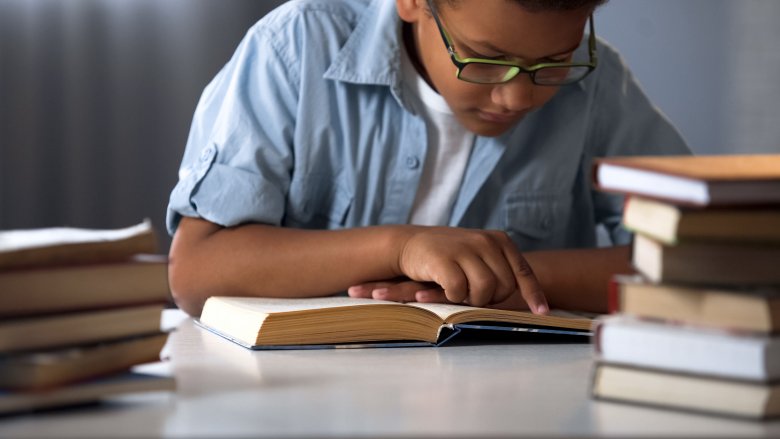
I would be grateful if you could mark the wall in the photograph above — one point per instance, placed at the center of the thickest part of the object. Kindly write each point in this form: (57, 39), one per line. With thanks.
(96, 96)
(711, 65)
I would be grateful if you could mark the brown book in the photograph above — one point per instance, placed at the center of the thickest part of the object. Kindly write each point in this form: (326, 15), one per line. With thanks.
(262, 323)
(670, 224)
(30, 291)
(84, 392)
(755, 310)
(47, 369)
(67, 245)
(707, 263)
(688, 392)
(693, 180)
(68, 329)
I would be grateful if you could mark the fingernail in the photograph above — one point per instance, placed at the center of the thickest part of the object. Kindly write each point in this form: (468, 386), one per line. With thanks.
(542, 308)
(422, 296)
(379, 293)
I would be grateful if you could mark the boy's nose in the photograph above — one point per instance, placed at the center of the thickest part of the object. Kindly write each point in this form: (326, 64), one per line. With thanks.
(515, 95)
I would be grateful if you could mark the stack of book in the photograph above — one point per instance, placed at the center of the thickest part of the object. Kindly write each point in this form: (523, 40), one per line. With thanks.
(699, 327)
(78, 310)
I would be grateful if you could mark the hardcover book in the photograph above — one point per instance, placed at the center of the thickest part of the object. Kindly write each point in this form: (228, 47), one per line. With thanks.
(689, 392)
(49, 331)
(86, 392)
(742, 309)
(263, 323)
(695, 180)
(51, 289)
(707, 263)
(69, 245)
(672, 224)
(52, 368)
(635, 342)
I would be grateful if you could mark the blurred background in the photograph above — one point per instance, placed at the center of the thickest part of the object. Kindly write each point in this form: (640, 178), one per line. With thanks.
(96, 96)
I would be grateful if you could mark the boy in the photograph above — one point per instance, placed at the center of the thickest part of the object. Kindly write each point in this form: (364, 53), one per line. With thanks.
(412, 151)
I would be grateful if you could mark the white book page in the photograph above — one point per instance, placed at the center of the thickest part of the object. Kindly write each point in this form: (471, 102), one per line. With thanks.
(15, 240)
(279, 305)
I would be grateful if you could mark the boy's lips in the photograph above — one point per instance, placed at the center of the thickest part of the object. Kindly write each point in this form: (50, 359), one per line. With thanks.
(499, 117)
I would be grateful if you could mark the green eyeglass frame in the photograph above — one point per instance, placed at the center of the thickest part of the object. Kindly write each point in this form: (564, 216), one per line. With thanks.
(497, 71)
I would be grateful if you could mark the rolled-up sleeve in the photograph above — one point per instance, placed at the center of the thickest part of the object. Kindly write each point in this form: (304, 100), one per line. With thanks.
(238, 159)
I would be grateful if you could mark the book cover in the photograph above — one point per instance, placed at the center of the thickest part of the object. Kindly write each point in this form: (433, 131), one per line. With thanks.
(707, 263)
(694, 180)
(85, 392)
(622, 339)
(742, 309)
(670, 224)
(264, 323)
(69, 245)
(687, 392)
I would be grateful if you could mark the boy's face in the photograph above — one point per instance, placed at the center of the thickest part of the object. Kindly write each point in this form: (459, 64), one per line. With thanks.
(499, 29)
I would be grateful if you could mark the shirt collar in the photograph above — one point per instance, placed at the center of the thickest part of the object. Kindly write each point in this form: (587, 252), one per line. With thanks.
(371, 54)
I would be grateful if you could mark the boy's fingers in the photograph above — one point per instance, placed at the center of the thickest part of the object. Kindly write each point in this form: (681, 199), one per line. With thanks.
(431, 295)
(364, 291)
(529, 286)
(403, 291)
(454, 282)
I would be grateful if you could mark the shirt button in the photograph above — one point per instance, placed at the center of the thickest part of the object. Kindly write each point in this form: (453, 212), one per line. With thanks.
(207, 154)
(412, 162)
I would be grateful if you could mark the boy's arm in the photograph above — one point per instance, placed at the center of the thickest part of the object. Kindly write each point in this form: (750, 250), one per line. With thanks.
(482, 267)
(571, 279)
(577, 279)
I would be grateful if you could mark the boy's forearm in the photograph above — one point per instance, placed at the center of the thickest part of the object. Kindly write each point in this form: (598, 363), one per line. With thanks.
(260, 260)
(579, 279)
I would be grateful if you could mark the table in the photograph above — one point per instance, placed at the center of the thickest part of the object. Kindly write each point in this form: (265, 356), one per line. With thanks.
(528, 388)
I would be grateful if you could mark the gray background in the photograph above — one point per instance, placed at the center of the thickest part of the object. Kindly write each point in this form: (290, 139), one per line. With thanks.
(96, 96)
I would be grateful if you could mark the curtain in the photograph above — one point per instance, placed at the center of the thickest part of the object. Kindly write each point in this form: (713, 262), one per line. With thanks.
(96, 98)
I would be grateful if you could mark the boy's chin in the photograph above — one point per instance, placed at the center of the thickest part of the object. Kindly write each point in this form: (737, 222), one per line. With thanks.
(489, 129)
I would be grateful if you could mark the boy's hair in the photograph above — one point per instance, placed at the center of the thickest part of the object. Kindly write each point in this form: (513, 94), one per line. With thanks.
(545, 5)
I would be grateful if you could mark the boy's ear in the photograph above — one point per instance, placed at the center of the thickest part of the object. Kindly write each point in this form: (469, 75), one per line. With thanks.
(410, 11)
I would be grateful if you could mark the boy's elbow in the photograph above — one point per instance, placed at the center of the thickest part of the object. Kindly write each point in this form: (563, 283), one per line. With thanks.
(187, 279)
(183, 287)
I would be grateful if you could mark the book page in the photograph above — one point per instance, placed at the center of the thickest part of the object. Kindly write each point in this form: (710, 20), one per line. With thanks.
(279, 305)
(463, 314)
(14, 240)
(443, 310)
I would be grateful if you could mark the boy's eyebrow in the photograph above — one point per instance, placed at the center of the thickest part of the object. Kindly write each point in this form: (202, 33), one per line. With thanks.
(493, 48)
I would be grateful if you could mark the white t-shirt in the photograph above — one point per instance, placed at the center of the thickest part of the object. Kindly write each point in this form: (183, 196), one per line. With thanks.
(449, 147)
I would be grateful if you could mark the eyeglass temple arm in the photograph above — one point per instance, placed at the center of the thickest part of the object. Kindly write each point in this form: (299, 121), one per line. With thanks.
(435, 15)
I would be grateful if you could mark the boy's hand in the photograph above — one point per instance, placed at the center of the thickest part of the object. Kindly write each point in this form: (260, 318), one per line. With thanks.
(474, 267)
(400, 290)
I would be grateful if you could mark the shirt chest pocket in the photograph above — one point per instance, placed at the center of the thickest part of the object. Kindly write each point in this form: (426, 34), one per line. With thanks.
(319, 206)
(537, 221)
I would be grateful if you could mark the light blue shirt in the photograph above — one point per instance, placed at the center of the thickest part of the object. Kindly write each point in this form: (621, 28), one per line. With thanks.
(308, 126)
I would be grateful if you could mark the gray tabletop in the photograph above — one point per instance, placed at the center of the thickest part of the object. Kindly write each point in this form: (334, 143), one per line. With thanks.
(529, 388)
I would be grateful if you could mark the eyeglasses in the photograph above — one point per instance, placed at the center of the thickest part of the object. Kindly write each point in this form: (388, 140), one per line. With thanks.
(490, 71)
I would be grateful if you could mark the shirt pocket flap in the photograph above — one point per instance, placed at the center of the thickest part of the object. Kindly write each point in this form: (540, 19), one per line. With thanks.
(532, 216)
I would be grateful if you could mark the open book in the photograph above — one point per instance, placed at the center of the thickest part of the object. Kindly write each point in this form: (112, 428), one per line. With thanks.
(263, 323)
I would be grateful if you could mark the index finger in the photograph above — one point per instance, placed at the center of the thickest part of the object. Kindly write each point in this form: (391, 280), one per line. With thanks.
(529, 286)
